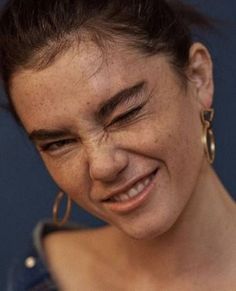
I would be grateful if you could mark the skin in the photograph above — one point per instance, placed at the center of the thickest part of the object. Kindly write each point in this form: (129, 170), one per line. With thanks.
(186, 226)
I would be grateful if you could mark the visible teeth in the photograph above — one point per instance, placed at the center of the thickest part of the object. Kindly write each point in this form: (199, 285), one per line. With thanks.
(140, 187)
(133, 191)
(124, 197)
(146, 182)
(116, 198)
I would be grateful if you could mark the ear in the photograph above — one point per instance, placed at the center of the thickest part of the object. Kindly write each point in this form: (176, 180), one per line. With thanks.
(200, 75)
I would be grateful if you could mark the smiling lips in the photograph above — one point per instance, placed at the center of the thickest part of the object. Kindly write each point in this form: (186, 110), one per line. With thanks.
(132, 198)
(134, 191)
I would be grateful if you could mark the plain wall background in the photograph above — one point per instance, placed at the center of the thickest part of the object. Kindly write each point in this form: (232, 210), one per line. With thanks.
(26, 190)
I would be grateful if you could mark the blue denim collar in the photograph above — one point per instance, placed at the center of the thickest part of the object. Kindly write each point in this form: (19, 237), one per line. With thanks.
(32, 273)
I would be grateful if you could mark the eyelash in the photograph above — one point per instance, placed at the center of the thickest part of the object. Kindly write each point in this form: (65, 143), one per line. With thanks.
(117, 121)
(127, 116)
(59, 144)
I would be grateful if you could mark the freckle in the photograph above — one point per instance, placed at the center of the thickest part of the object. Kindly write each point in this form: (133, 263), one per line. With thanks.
(88, 103)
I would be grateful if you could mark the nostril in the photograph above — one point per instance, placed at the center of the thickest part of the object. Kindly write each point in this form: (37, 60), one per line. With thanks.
(107, 164)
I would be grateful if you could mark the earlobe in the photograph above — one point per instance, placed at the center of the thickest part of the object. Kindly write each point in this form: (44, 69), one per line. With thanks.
(200, 74)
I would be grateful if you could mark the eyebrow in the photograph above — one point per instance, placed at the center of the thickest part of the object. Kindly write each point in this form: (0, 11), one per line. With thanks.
(124, 96)
(105, 109)
(44, 134)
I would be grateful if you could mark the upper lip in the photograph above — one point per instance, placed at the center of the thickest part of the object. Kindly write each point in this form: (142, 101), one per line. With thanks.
(127, 187)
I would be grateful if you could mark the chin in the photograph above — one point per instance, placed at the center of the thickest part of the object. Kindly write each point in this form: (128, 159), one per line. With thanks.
(148, 230)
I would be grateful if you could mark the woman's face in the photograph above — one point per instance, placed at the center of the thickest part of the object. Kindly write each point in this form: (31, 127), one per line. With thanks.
(115, 125)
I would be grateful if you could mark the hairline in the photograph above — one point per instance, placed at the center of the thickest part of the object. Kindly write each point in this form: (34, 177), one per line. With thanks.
(41, 59)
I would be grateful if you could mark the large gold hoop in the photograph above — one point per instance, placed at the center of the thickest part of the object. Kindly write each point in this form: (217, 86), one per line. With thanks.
(56, 207)
(208, 138)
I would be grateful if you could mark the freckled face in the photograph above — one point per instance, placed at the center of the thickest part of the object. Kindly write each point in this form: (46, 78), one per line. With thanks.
(92, 146)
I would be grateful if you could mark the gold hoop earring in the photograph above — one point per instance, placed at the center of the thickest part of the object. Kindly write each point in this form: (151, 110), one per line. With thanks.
(56, 207)
(208, 138)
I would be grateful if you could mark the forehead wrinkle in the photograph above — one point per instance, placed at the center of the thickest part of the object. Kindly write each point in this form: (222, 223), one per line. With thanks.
(92, 61)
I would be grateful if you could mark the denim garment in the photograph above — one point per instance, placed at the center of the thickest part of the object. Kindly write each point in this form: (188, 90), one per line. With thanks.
(32, 274)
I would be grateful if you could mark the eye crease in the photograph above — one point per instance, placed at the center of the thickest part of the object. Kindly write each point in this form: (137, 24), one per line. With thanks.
(121, 119)
(56, 145)
(131, 113)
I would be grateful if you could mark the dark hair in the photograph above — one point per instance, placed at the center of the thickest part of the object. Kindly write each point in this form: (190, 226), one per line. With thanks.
(33, 33)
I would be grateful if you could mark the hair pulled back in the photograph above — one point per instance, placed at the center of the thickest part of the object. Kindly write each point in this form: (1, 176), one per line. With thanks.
(33, 33)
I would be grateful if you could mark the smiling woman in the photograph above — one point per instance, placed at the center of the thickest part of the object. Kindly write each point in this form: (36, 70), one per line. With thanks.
(127, 135)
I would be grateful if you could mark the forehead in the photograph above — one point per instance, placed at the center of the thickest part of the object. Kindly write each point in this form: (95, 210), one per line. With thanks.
(80, 78)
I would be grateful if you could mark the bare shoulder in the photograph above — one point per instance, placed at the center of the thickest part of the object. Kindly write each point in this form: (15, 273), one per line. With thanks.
(83, 237)
(82, 244)
(75, 258)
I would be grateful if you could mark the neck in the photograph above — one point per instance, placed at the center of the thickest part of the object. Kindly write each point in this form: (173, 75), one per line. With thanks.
(202, 236)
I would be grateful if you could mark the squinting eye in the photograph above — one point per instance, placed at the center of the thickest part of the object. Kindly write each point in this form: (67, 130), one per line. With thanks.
(56, 145)
(126, 116)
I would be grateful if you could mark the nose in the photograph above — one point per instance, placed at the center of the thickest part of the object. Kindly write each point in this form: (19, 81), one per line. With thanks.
(106, 162)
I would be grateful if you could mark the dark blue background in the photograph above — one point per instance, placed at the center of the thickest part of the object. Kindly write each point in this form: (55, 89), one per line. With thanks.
(27, 192)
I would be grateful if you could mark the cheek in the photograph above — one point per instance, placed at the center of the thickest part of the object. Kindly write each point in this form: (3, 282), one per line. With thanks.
(173, 138)
(182, 151)
(71, 176)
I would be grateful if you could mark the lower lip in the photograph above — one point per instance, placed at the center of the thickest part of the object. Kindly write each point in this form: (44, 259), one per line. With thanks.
(134, 202)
